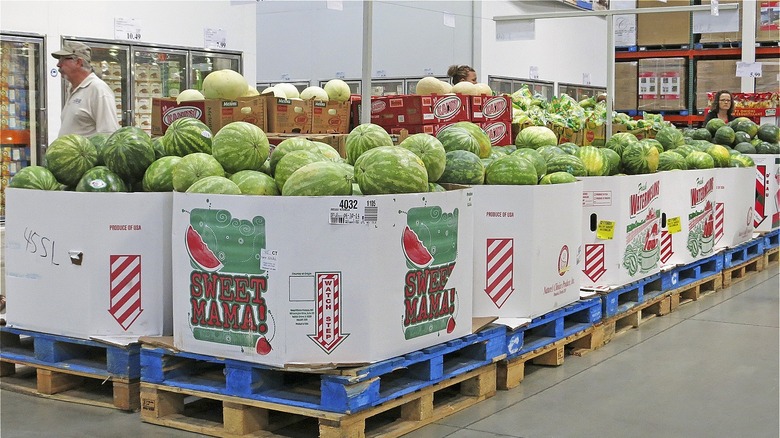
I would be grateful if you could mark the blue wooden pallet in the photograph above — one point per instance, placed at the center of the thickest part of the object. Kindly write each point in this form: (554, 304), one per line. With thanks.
(771, 240)
(70, 354)
(554, 326)
(624, 298)
(683, 275)
(742, 253)
(344, 391)
(718, 45)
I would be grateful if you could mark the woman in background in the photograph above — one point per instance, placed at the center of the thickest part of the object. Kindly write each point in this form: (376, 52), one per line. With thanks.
(722, 107)
(460, 73)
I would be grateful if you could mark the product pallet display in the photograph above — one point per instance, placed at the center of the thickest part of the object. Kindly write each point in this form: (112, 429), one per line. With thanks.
(70, 369)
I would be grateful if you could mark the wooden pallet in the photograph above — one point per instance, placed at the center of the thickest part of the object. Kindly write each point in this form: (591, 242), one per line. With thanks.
(771, 257)
(696, 290)
(195, 411)
(71, 370)
(739, 272)
(657, 306)
(511, 371)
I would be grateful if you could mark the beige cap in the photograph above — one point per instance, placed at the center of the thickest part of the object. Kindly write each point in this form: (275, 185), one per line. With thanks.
(73, 48)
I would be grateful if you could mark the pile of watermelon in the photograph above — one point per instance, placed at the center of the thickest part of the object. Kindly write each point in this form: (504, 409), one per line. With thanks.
(741, 135)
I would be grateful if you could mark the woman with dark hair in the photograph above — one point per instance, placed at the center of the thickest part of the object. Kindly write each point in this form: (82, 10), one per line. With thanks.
(460, 73)
(722, 107)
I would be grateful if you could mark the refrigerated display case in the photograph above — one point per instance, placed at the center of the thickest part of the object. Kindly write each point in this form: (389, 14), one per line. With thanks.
(156, 73)
(411, 83)
(387, 87)
(579, 92)
(354, 84)
(22, 106)
(112, 64)
(508, 85)
(300, 84)
(202, 63)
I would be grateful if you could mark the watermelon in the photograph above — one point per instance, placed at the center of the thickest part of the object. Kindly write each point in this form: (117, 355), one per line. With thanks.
(535, 137)
(618, 141)
(654, 143)
(362, 138)
(288, 145)
(240, 146)
(768, 132)
(699, 160)
(683, 150)
(714, 124)
(463, 167)
(253, 182)
(701, 134)
(744, 159)
(455, 138)
(69, 157)
(479, 135)
(293, 161)
(218, 185)
(548, 152)
(767, 148)
(741, 137)
(724, 136)
(431, 152)
(100, 179)
(323, 178)
(593, 160)
(159, 175)
(540, 164)
(670, 138)
(356, 188)
(159, 148)
(566, 163)
(639, 158)
(558, 178)
(745, 125)
(99, 140)
(719, 154)
(187, 135)
(34, 177)
(569, 147)
(193, 167)
(612, 159)
(512, 169)
(390, 169)
(671, 160)
(434, 187)
(736, 163)
(327, 151)
(128, 152)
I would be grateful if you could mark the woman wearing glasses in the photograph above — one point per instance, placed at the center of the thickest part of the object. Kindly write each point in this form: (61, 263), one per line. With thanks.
(722, 107)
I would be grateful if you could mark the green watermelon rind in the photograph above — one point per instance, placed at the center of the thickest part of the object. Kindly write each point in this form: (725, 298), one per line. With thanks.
(431, 152)
(128, 152)
(455, 138)
(159, 175)
(193, 167)
(364, 137)
(69, 157)
(217, 185)
(566, 163)
(240, 146)
(323, 178)
(512, 169)
(100, 179)
(36, 178)
(293, 161)
(187, 135)
(463, 167)
(390, 169)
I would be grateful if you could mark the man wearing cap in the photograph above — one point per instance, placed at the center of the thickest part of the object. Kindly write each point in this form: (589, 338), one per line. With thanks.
(90, 107)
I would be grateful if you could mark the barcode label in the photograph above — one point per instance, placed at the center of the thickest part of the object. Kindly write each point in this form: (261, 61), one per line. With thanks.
(339, 216)
(371, 214)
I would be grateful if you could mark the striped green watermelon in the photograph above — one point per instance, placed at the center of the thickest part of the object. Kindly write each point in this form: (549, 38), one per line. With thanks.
(593, 160)
(699, 160)
(431, 152)
(356, 189)
(618, 141)
(100, 179)
(735, 163)
(69, 157)
(159, 149)
(193, 167)
(218, 185)
(566, 163)
(548, 152)
(540, 164)
(654, 143)
(639, 158)
(288, 145)
(724, 136)
(512, 169)
(323, 178)
(463, 167)
(434, 187)
(390, 169)
(253, 182)
(744, 159)
(613, 160)
(187, 135)
(558, 178)
(701, 134)
(719, 154)
(455, 138)
(714, 124)
(35, 177)
(327, 151)
(671, 160)
(569, 147)
(670, 138)
(159, 175)
(128, 152)
(768, 132)
(741, 137)
(535, 137)
(293, 161)
(765, 147)
(745, 148)
(744, 125)
(683, 150)
(479, 134)
(364, 137)
(240, 146)
(99, 140)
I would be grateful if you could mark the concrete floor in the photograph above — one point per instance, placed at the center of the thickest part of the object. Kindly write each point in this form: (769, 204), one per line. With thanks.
(708, 369)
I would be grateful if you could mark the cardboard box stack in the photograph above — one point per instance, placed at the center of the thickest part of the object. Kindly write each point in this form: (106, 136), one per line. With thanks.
(722, 37)
(662, 83)
(626, 77)
(714, 75)
(768, 20)
(671, 28)
(215, 113)
(769, 82)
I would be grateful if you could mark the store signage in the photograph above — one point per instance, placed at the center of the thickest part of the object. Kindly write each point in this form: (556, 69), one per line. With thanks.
(749, 69)
(214, 38)
(127, 29)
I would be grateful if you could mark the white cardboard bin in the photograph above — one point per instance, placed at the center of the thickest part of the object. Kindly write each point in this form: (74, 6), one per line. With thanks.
(621, 223)
(734, 203)
(526, 243)
(766, 210)
(321, 280)
(89, 264)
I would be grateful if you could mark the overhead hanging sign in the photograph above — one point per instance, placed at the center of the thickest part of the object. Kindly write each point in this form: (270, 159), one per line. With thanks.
(127, 29)
(214, 38)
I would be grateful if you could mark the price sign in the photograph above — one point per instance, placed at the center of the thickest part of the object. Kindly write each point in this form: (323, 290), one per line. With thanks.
(127, 29)
(381, 73)
(340, 75)
(214, 38)
(605, 230)
(586, 79)
(749, 69)
(673, 225)
(533, 72)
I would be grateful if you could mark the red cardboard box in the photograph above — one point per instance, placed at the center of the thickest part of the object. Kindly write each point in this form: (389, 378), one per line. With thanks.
(499, 132)
(330, 117)
(491, 108)
(288, 115)
(429, 128)
(215, 113)
(407, 110)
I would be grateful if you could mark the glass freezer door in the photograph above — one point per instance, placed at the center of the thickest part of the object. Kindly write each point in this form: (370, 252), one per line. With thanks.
(411, 83)
(354, 85)
(22, 112)
(156, 73)
(112, 64)
(203, 63)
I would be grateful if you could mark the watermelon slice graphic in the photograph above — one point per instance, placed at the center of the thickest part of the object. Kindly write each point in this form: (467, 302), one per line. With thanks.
(200, 253)
(414, 250)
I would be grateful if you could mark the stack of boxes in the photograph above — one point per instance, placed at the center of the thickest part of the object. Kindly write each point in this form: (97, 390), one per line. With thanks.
(662, 83)
(111, 73)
